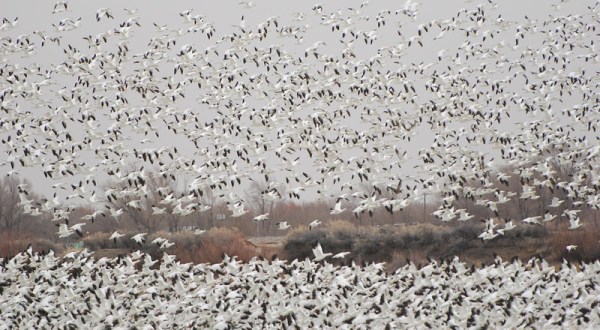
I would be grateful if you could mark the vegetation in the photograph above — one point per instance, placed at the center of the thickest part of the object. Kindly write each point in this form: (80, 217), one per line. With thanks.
(398, 244)
(412, 233)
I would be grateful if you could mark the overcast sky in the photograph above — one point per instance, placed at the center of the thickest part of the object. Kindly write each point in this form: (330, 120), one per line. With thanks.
(225, 15)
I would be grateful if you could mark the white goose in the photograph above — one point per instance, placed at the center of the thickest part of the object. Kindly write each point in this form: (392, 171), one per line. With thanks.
(318, 252)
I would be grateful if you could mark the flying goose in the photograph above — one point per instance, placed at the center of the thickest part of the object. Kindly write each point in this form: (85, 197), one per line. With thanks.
(314, 224)
(139, 238)
(318, 252)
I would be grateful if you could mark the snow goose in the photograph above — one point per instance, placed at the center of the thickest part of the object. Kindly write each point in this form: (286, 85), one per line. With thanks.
(318, 252)
(574, 223)
(64, 231)
(535, 220)
(555, 202)
(139, 238)
(337, 209)
(261, 217)
(341, 255)
(115, 236)
(314, 224)
(507, 227)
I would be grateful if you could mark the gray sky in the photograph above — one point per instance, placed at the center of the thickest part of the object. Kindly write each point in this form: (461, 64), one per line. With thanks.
(37, 16)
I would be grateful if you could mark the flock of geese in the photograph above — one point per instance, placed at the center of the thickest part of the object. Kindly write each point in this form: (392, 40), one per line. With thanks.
(379, 111)
(43, 291)
(366, 107)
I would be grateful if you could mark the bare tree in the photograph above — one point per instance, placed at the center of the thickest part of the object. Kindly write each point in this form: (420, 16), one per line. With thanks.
(11, 213)
(209, 200)
(263, 199)
(137, 197)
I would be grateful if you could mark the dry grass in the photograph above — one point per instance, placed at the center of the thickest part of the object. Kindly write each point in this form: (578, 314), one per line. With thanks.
(586, 240)
(211, 246)
(12, 243)
(340, 225)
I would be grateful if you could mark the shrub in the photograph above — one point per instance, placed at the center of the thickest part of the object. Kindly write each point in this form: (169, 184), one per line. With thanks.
(98, 241)
(426, 238)
(410, 239)
(468, 231)
(391, 240)
(298, 245)
(415, 242)
(369, 248)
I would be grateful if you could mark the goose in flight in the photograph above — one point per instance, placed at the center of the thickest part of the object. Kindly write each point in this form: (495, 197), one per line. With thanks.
(115, 213)
(341, 255)
(115, 236)
(60, 6)
(261, 217)
(318, 252)
(296, 292)
(162, 243)
(248, 4)
(507, 227)
(337, 209)
(488, 235)
(238, 211)
(77, 228)
(464, 215)
(574, 223)
(103, 12)
(64, 231)
(361, 105)
(314, 224)
(555, 202)
(139, 238)
(574, 220)
(535, 220)
(548, 217)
